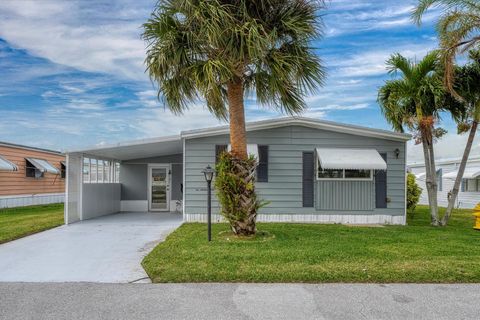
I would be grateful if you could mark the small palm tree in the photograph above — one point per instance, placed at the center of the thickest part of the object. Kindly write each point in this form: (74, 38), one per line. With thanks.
(413, 101)
(458, 30)
(221, 50)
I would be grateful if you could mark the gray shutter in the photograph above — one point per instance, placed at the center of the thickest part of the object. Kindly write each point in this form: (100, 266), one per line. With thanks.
(262, 169)
(219, 148)
(308, 174)
(381, 186)
(464, 185)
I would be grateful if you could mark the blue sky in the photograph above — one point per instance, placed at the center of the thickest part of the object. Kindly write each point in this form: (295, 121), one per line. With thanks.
(72, 73)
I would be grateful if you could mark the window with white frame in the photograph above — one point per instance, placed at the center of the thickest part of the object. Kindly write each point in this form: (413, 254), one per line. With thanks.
(472, 185)
(344, 174)
(100, 171)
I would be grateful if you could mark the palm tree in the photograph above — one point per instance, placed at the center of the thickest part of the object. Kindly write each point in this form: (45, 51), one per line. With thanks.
(413, 101)
(458, 30)
(221, 50)
(467, 85)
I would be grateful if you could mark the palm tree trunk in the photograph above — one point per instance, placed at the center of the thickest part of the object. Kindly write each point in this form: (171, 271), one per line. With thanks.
(238, 137)
(461, 170)
(429, 181)
(433, 169)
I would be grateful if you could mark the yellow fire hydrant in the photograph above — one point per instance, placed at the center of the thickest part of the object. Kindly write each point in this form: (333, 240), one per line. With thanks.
(476, 214)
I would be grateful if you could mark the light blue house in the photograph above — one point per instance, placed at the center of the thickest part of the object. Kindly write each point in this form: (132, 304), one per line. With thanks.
(309, 170)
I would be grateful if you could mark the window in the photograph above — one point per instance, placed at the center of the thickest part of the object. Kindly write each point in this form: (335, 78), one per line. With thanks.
(262, 169)
(344, 174)
(63, 170)
(100, 171)
(86, 170)
(471, 185)
(31, 171)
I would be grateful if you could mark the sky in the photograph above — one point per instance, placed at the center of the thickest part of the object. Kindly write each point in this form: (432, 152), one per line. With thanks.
(72, 73)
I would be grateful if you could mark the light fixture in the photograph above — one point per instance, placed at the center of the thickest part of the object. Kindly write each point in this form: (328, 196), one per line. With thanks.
(397, 153)
(208, 173)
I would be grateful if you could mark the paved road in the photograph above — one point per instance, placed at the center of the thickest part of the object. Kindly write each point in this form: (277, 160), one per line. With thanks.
(105, 249)
(237, 301)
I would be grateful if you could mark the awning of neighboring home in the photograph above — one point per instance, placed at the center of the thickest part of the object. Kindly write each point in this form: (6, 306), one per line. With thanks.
(355, 159)
(252, 149)
(43, 165)
(420, 175)
(470, 173)
(6, 165)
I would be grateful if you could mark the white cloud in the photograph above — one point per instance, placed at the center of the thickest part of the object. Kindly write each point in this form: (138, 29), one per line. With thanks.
(61, 32)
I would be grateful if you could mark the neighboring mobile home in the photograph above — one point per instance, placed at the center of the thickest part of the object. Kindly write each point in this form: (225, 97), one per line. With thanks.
(309, 171)
(447, 169)
(30, 176)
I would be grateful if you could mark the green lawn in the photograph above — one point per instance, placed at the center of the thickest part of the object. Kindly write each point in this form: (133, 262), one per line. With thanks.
(23, 221)
(323, 253)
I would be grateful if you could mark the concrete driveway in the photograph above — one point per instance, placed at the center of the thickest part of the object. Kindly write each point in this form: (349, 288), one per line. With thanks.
(105, 249)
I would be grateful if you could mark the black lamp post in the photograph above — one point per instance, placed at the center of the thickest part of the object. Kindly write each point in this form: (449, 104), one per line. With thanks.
(209, 172)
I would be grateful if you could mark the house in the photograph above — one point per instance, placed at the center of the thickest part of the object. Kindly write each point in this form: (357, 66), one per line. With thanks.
(30, 175)
(309, 170)
(447, 169)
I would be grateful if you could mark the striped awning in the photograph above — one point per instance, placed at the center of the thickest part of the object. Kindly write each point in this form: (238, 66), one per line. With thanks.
(354, 159)
(6, 165)
(470, 173)
(43, 165)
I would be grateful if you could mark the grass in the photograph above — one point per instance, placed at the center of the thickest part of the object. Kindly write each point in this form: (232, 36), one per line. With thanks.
(23, 221)
(322, 253)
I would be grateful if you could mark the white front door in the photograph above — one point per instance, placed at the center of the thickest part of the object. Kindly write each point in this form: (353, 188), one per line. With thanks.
(159, 187)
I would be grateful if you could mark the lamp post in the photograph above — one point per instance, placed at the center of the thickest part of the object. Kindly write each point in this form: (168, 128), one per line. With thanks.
(208, 173)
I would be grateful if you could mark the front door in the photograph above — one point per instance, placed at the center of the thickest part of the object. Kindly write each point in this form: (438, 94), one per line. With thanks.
(159, 188)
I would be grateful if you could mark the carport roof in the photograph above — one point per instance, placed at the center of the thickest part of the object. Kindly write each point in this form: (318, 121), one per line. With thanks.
(137, 149)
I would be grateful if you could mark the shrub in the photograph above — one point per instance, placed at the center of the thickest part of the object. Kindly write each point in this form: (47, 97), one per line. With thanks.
(413, 192)
(235, 188)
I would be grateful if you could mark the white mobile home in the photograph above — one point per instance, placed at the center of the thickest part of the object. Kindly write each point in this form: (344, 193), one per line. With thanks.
(447, 169)
(309, 171)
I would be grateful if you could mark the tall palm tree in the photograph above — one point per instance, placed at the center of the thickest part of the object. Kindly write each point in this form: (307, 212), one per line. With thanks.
(467, 85)
(222, 50)
(459, 30)
(414, 101)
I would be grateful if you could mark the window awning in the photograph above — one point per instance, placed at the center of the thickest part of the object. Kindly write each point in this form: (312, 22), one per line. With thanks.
(6, 165)
(43, 165)
(356, 159)
(470, 173)
(420, 175)
(252, 149)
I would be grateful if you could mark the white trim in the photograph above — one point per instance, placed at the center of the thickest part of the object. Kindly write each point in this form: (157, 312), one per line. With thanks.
(134, 205)
(168, 168)
(312, 218)
(22, 200)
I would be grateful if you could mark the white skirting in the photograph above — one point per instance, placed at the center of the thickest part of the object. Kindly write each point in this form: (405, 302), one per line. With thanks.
(134, 205)
(311, 218)
(23, 200)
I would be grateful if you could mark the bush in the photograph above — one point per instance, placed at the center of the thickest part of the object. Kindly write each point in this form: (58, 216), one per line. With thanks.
(413, 192)
(235, 188)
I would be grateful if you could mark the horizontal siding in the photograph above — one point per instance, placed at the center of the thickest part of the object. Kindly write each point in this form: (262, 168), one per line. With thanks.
(16, 183)
(284, 187)
(464, 200)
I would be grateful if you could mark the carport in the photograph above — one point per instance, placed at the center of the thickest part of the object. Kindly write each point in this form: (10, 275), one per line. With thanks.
(137, 176)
